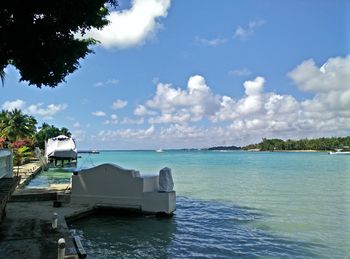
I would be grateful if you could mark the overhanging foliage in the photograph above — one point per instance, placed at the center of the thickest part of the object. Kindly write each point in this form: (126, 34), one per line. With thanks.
(37, 36)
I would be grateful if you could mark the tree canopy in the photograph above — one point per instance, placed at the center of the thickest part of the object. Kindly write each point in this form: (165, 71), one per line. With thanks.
(301, 144)
(47, 131)
(37, 36)
(19, 129)
(15, 125)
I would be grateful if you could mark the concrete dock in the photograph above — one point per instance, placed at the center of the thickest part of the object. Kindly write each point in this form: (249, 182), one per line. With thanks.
(27, 231)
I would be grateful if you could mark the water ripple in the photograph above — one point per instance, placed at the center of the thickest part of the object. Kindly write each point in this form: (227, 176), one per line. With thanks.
(199, 229)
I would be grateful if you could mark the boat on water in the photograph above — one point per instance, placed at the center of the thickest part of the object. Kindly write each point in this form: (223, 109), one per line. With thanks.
(61, 148)
(339, 152)
(89, 152)
(159, 150)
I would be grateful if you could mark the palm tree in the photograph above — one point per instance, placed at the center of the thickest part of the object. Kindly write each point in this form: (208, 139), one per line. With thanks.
(3, 122)
(65, 131)
(2, 76)
(15, 125)
(47, 131)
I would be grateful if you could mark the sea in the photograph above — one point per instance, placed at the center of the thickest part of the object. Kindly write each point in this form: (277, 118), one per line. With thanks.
(232, 204)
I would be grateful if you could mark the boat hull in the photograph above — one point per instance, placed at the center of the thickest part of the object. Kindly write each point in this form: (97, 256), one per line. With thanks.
(63, 154)
(340, 153)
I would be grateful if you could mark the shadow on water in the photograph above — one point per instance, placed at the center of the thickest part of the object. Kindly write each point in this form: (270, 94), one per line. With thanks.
(199, 229)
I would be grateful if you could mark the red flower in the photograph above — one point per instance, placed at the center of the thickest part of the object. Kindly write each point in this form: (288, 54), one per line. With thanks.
(19, 143)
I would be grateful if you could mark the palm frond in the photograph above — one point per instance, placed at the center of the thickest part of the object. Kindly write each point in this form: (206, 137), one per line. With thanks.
(2, 77)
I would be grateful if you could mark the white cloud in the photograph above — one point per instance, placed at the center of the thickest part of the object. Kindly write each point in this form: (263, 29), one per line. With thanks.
(76, 125)
(107, 83)
(79, 135)
(284, 105)
(132, 27)
(99, 84)
(45, 112)
(127, 120)
(334, 75)
(134, 134)
(250, 104)
(11, 105)
(256, 105)
(180, 131)
(141, 110)
(227, 110)
(177, 105)
(255, 87)
(243, 33)
(253, 101)
(258, 113)
(326, 113)
(211, 42)
(112, 120)
(112, 81)
(329, 109)
(240, 72)
(176, 116)
(119, 104)
(99, 113)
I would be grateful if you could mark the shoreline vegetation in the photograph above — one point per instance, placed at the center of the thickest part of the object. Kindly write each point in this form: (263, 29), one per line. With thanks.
(301, 145)
(20, 133)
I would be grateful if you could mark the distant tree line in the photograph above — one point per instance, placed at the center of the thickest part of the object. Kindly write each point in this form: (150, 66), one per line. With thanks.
(224, 148)
(20, 133)
(331, 143)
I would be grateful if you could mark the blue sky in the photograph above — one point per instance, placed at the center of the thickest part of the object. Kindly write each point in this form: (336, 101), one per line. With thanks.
(180, 74)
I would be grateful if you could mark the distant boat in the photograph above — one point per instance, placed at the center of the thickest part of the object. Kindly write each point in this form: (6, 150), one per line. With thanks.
(339, 152)
(159, 150)
(89, 152)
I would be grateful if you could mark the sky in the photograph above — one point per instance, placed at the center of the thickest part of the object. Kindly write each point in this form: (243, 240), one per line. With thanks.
(195, 74)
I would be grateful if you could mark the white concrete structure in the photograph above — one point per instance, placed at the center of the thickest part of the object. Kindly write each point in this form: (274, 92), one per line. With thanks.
(112, 186)
(166, 183)
(6, 164)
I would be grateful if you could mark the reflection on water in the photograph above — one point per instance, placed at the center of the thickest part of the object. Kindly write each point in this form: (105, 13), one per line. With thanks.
(198, 229)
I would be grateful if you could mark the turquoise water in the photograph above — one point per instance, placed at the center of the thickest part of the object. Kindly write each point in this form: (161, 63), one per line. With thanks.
(230, 204)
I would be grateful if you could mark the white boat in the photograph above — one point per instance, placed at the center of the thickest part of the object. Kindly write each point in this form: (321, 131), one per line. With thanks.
(6, 165)
(60, 148)
(339, 152)
(112, 186)
(159, 150)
